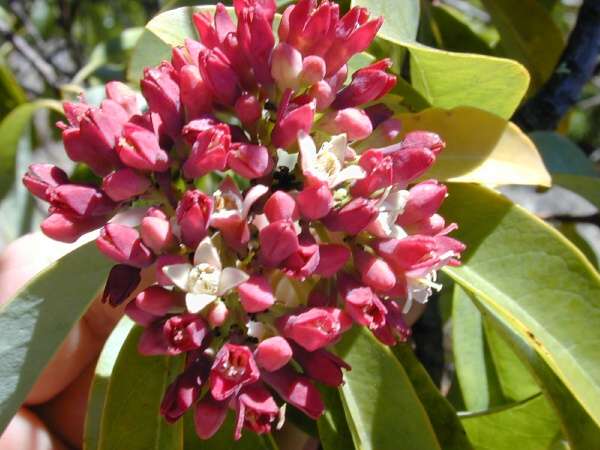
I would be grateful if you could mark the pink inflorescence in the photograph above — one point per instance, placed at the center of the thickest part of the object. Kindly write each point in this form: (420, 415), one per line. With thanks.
(313, 228)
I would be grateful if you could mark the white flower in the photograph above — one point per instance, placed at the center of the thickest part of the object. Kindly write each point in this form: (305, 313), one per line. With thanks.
(229, 205)
(390, 205)
(206, 280)
(328, 164)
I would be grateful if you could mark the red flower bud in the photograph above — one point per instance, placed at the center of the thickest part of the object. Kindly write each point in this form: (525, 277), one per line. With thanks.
(256, 294)
(297, 390)
(209, 152)
(278, 240)
(193, 215)
(352, 218)
(41, 179)
(354, 122)
(321, 366)
(273, 353)
(332, 257)
(233, 368)
(374, 272)
(139, 148)
(250, 161)
(315, 328)
(124, 184)
(123, 244)
(160, 87)
(255, 409)
(281, 206)
(368, 84)
(173, 336)
(122, 281)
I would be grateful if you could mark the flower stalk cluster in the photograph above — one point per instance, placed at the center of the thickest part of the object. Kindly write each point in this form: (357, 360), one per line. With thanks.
(303, 238)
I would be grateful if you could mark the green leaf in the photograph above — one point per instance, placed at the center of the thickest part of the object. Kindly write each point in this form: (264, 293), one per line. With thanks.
(100, 383)
(496, 152)
(11, 93)
(569, 229)
(382, 408)
(457, 35)
(448, 429)
(39, 317)
(334, 433)
(175, 25)
(530, 425)
(475, 370)
(131, 417)
(569, 165)
(535, 279)
(11, 129)
(401, 19)
(580, 429)
(149, 51)
(527, 34)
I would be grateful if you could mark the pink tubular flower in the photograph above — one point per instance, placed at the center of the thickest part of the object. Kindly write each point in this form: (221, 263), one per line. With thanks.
(315, 328)
(173, 336)
(291, 122)
(352, 218)
(302, 263)
(352, 121)
(273, 353)
(297, 390)
(426, 139)
(160, 87)
(122, 281)
(256, 294)
(322, 366)
(65, 227)
(424, 200)
(123, 244)
(362, 304)
(286, 66)
(250, 161)
(156, 231)
(220, 76)
(256, 39)
(278, 241)
(395, 330)
(281, 206)
(233, 368)
(209, 152)
(82, 201)
(124, 184)
(41, 179)
(209, 416)
(332, 257)
(374, 272)
(315, 201)
(184, 391)
(368, 84)
(249, 109)
(313, 69)
(195, 94)
(139, 148)
(193, 215)
(255, 409)
(158, 301)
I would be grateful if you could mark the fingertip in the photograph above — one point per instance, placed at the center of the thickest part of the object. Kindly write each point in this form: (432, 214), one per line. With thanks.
(26, 432)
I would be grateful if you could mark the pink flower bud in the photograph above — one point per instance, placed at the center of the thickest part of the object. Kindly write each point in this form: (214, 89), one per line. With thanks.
(368, 84)
(396, 330)
(256, 294)
(256, 39)
(139, 149)
(209, 416)
(220, 77)
(352, 218)
(323, 94)
(83, 201)
(233, 368)
(167, 260)
(278, 240)
(354, 122)
(195, 94)
(332, 257)
(249, 160)
(431, 226)
(123, 244)
(173, 336)
(313, 69)
(218, 314)
(297, 390)
(209, 152)
(124, 184)
(321, 366)
(158, 301)
(193, 215)
(425, 139)
(122, 281)
(255, 409)
(124, 96)
(160, 87)
(65, 227)
(41, 179)
(308, 29)
(316, 327)
(281, 206)
(315, 201)
(156, 232)
(302, 263)
(193, 128)
(286, 66)
(267, 8)
(374, 272)
(291, 123)
(139, 316)
(248, 109)
(404, 254)
(184, 391)
(424, 200)
(273, 353)
(361, 303)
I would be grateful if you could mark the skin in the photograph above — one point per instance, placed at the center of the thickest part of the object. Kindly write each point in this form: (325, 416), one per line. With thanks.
(53, 414)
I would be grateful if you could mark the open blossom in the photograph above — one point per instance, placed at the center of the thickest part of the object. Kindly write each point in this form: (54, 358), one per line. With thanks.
(276, 202)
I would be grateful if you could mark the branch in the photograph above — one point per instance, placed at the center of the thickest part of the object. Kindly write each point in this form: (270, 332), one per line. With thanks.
(575, 68)
(593, 219)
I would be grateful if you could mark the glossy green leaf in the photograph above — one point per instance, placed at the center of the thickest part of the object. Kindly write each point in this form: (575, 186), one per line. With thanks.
(100, 382)
(456, 34)
(497, 152)
(11, 129)
(382, 408)
(149, 51)
(401, 19)
(579, 428)
(174, 26)
(474, 368)
(528, 34)
(11, 93)
(131, 417)
(530, 425)
(334, 433)
(569, 165)
(527, 272)
(448, 429)
(38, 318)
(569, 229)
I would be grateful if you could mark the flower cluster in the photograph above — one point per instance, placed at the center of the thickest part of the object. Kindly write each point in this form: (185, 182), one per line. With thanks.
(315, 226)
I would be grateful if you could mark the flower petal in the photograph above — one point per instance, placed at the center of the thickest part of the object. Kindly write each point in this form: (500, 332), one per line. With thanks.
(338, 146)
(253, 194)
(230, 278)
(352, 172)
(207, 253)
(308, 151)
(197, 302)
(178, 274)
